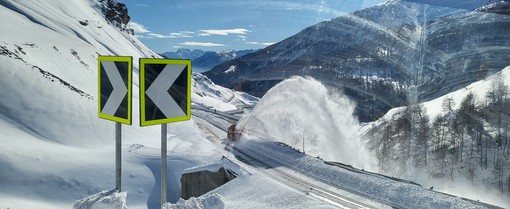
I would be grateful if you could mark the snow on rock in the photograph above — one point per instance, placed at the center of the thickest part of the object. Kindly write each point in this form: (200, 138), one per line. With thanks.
(231, 69)
(103, 200)
(303, 109)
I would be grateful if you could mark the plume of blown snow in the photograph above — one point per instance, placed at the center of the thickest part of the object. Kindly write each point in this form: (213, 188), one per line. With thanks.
(305, 114)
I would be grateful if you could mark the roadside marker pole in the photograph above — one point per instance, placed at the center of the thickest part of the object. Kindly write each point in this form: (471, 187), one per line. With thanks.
(163, 162)
(114, 99)
(165, 97)
(118, 149)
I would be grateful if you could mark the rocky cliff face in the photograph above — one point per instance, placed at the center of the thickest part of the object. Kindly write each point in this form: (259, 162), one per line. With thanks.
(115, 12)
(375, 55)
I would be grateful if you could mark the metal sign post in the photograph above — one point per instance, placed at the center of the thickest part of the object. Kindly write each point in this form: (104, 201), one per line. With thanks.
(114, 100)
(163, 162)
(118, 149)
(165, 97)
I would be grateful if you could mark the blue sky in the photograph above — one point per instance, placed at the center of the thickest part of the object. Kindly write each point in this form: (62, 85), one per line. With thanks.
(215, 25)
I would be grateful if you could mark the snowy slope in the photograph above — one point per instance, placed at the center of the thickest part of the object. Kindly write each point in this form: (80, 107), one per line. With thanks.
(54, 148)
(206, 93)
(45, 48)
(433, 109)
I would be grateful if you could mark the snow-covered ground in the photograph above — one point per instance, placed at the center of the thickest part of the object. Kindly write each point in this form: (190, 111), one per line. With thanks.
(376, 187)
(55, 150)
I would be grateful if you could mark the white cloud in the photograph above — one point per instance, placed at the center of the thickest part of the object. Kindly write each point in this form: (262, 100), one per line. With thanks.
(260, 43)
(182, 34)
(156, 35)
(203, 44)
(315, 7)
(240, 31)
(241, 37)
(138, 28)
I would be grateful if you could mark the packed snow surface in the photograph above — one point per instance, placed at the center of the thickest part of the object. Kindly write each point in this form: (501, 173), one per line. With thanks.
(377, 187)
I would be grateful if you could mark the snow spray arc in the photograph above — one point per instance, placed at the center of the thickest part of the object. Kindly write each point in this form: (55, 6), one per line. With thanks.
(302, 110)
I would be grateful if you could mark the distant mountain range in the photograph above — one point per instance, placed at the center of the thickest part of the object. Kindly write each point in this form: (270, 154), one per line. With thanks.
(383, 56)
(206, 60)
(183, 53)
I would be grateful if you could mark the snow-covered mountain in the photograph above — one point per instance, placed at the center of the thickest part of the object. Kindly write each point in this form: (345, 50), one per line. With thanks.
(376, 54)
(205, 60)
(183, 53)
(210, 59)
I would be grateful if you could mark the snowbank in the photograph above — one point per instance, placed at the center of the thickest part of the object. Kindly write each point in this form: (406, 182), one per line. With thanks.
(213, 201)
(376, 187)
(103, 200)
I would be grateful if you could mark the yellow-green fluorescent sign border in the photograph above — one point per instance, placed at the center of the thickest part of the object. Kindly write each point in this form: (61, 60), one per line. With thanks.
(124, 116)
(149, 75)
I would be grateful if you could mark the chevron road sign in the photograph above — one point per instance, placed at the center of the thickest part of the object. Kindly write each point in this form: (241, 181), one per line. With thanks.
(114, 99)
(165, 91)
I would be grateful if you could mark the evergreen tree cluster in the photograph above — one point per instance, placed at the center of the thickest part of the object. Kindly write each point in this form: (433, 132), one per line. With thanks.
(471, 141)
